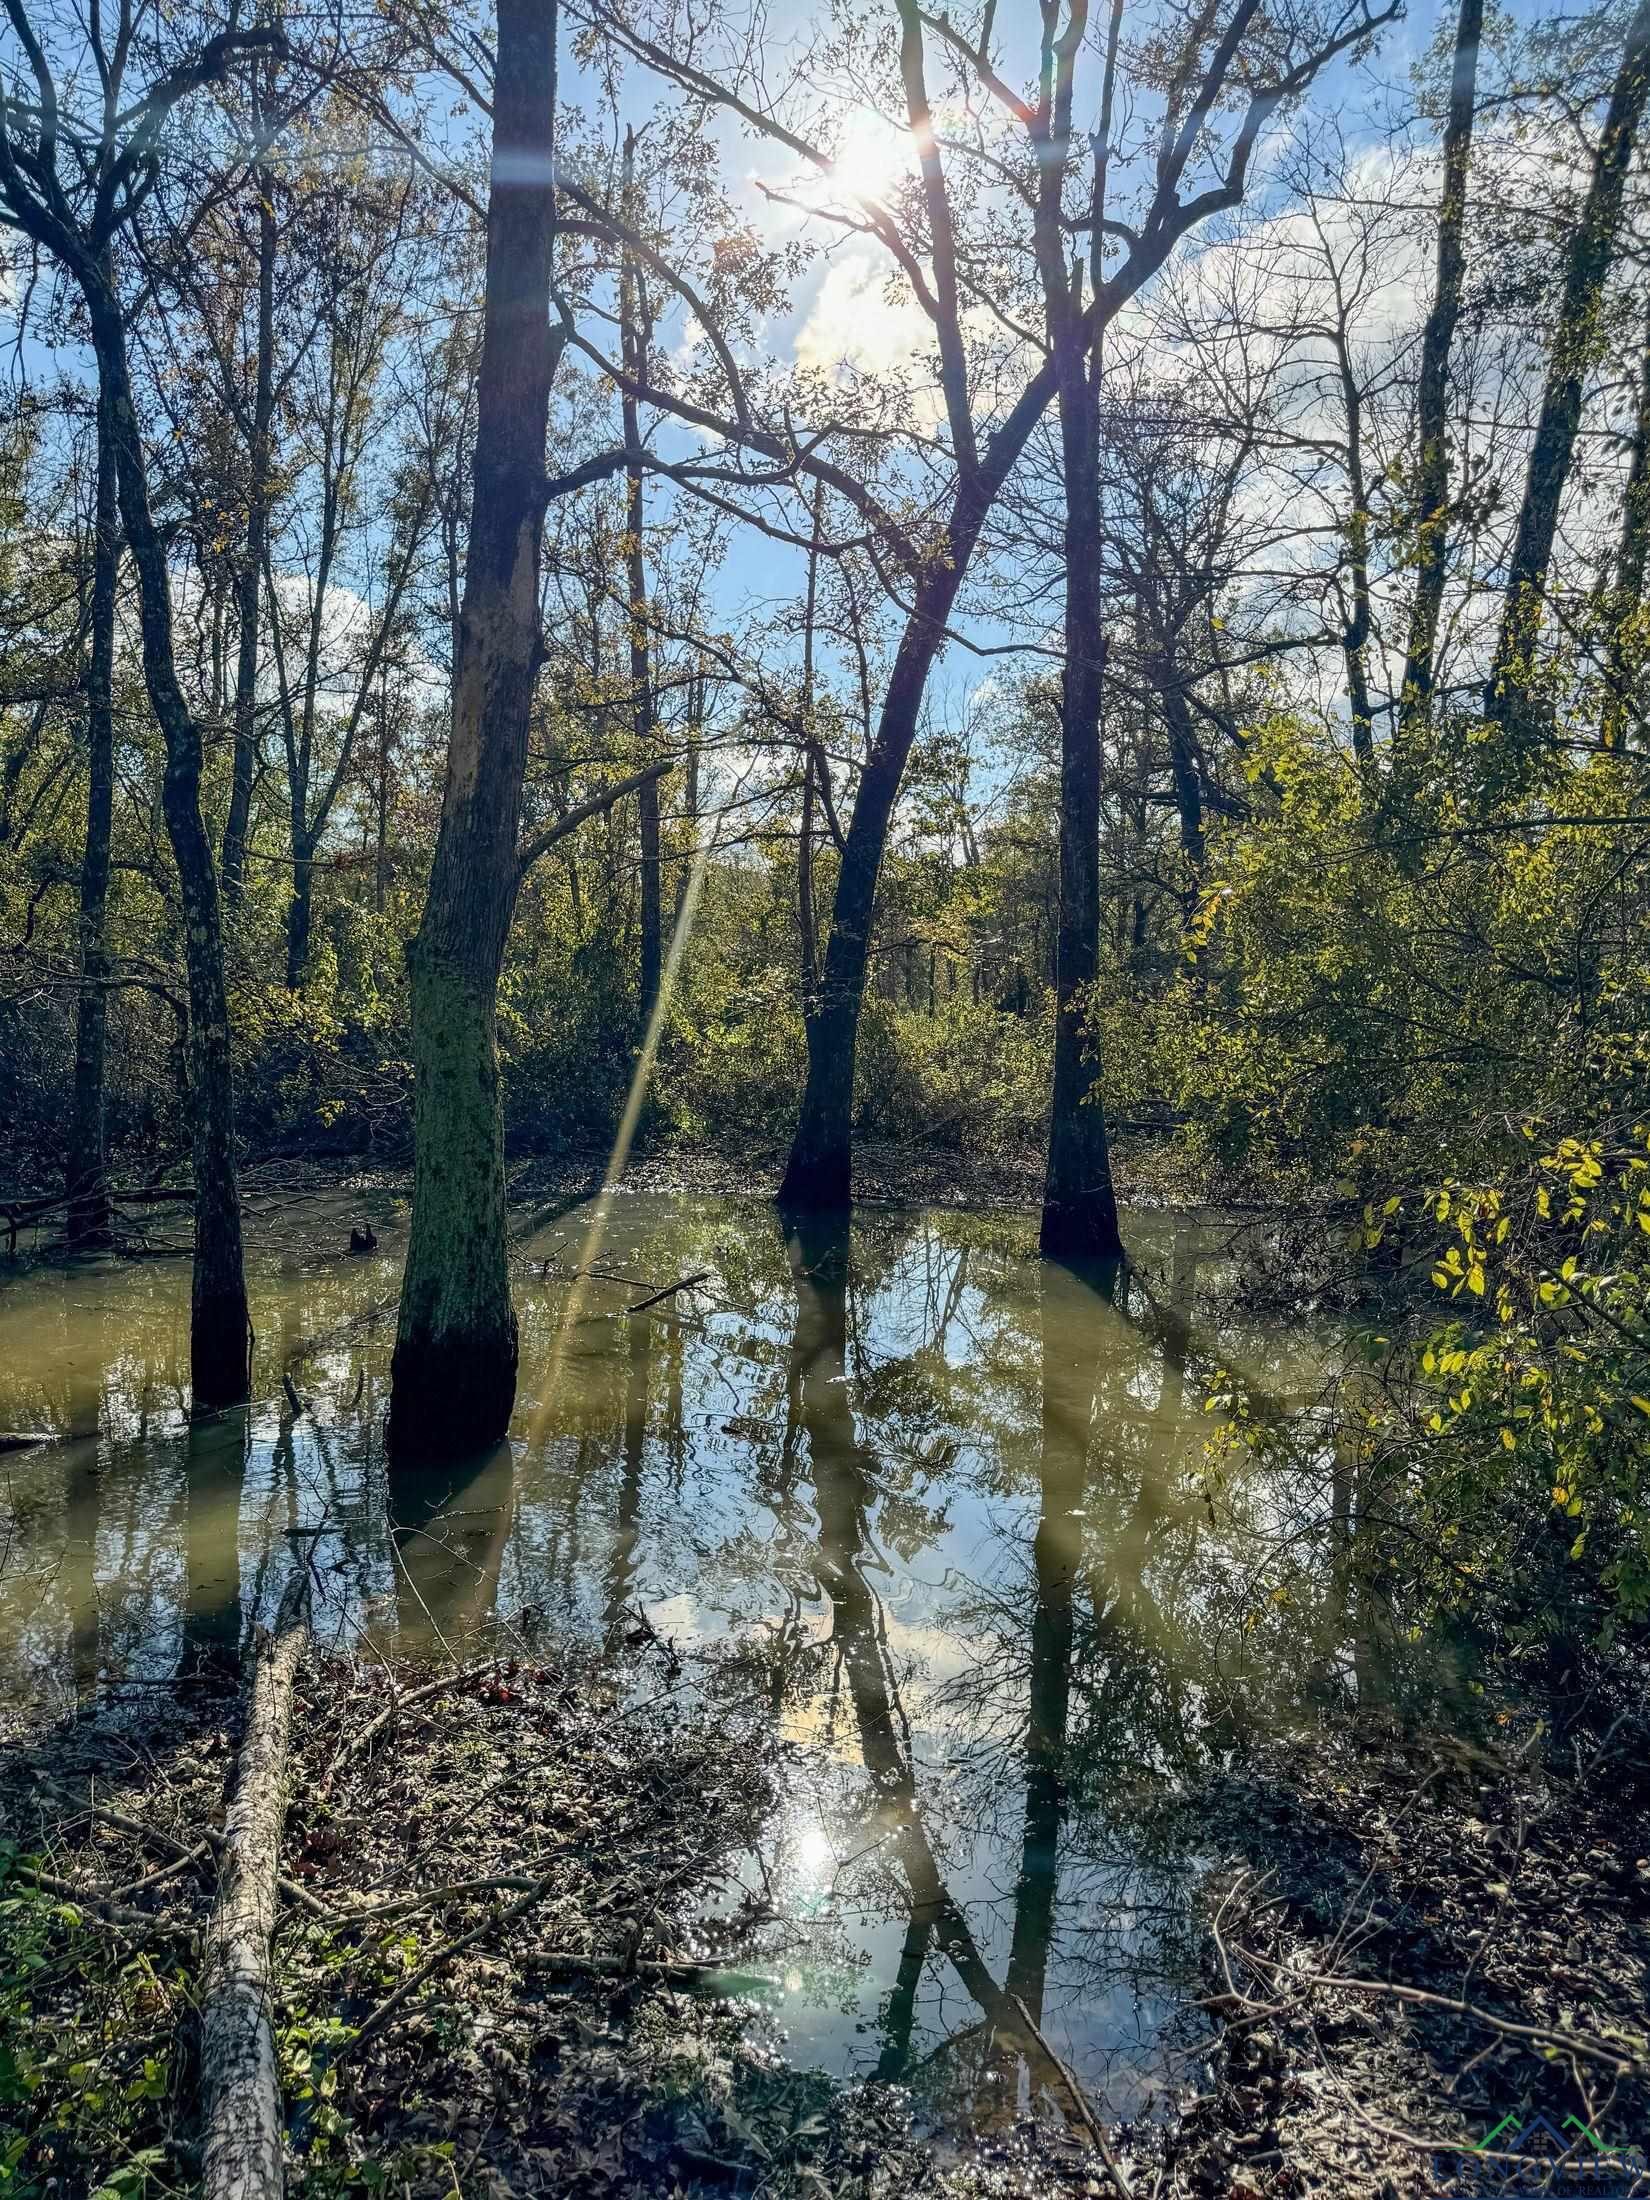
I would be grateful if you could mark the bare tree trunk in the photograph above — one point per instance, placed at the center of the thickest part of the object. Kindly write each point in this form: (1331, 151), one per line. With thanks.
(1432, 392)
(453, 1376)
(220, 1335)
(250, 581)
(300, 909)
(807, 917)
(633, 316)
(86, 1186)
(1355, 632)
(819, 1171)
(690, 798)
(240, 2088)
(1592, 251)
(1079, 1202)
(1632, 562)
(381, 863)
(1183, 771)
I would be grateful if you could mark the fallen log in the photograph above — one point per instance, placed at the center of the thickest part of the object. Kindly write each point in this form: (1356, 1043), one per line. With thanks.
(240, 2091)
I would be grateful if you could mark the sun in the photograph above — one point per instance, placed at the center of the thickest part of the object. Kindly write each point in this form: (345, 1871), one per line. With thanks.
(872, 154)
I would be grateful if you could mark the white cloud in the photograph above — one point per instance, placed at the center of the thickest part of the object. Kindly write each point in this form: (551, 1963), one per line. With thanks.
(857, 319)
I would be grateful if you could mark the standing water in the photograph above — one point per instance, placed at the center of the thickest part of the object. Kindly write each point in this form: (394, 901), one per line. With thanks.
(945, 1511)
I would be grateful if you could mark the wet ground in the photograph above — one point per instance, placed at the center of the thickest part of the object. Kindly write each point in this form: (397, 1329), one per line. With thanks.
(938, 1515)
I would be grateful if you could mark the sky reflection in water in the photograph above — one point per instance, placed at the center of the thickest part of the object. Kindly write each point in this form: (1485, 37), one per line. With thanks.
(931, 1502)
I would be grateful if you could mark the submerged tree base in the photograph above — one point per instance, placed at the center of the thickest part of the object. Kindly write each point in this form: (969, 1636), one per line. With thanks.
(453, 1377)
(1082, 1231)
(220, 1350)
(818, 1179)
(450, 1395)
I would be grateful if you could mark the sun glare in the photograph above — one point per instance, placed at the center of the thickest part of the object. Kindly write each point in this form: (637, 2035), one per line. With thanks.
(872, 155)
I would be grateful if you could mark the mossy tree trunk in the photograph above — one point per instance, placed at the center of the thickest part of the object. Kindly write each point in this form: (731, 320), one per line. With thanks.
(453, 1377)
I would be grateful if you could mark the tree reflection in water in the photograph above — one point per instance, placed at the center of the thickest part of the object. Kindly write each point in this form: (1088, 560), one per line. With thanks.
(931, 1501)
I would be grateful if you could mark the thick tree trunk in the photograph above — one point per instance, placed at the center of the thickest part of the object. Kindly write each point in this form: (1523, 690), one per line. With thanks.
(220, 1335)
(86, 1186)
(1432, 498)
(250, 581)
(241, 2155)
(806, 911)
(1573, 350)
(806, 917)
(453, 1377)
(1079, 1202)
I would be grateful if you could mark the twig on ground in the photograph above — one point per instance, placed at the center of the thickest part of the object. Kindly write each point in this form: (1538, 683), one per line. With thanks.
(401, 1700)
(1624, 2055)
(112, 1913)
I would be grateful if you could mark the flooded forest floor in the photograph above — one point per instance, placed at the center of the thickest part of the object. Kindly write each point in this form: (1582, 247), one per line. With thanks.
(507, 1961)
(554, 1918)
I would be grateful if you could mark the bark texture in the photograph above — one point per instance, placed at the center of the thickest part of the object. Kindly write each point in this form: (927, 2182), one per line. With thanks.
(1079, 1203)
(87, 1187)
(220, 1334)
(1432, 392)
(249, 582)
(1574, 347)
(819, 1171)
(240, 2090)
(453, 1377)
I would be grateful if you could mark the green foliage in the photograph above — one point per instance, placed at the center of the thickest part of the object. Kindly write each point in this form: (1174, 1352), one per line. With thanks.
(964, 1076)
(89, 2078)
(1526, 1437)
(1360, 995)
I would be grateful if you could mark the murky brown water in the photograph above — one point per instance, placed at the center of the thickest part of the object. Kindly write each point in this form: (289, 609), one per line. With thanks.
(934, 1503)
